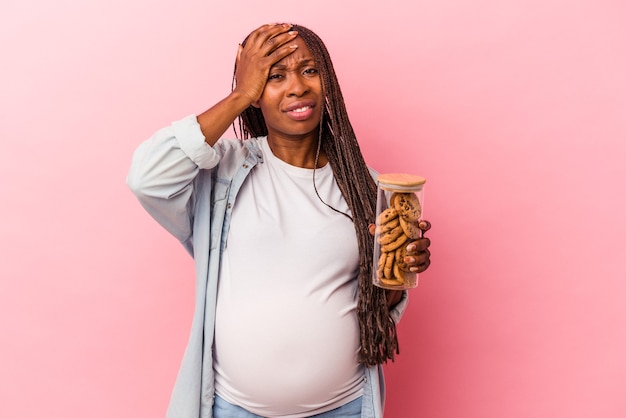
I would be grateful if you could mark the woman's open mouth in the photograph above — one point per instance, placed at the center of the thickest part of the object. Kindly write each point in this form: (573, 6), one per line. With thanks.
(300, 111)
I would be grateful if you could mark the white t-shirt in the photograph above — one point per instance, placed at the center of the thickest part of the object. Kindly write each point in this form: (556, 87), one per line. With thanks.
(287, 296)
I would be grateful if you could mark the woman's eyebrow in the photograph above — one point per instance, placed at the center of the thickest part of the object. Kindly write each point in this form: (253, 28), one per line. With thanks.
(306, 61)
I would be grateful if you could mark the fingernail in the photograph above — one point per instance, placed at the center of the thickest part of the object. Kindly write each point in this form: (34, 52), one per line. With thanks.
(414, 269)
(409, 260)
(411, 247)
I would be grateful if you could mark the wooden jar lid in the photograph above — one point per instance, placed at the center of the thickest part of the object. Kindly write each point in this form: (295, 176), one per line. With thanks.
(399, 181)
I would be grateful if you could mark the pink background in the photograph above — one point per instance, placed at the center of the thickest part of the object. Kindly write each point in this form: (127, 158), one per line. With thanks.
(514, 110)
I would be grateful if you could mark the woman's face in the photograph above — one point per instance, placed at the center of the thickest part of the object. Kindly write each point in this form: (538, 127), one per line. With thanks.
(292, 100)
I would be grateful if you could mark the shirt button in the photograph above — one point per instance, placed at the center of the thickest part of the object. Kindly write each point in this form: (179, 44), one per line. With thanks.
(229, 206)
(245, 166)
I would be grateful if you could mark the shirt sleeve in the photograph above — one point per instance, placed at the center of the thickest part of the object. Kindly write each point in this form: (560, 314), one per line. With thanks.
(398, 309)
(163, 171)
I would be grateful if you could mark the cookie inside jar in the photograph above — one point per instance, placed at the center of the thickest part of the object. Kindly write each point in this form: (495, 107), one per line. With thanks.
(398, 214)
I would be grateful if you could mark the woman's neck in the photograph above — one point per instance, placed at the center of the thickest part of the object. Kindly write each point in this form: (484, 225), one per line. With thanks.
(298, 152)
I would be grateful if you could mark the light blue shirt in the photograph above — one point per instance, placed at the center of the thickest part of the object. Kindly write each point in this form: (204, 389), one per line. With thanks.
(190, 187)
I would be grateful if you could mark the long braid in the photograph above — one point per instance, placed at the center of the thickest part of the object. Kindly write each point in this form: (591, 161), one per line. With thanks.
(379, 341)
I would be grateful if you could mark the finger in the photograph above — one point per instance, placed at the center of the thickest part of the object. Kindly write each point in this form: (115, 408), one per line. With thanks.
(263, 29)
(424, 225)
(419, 262)
(280, 46)
(281, 52)
(269, 48)
(265, 36)
(420, 268)
(418, 258)
(372, 228)
(418, 245)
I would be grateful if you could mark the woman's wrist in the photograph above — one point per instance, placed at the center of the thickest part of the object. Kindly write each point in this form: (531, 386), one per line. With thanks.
(393, 297)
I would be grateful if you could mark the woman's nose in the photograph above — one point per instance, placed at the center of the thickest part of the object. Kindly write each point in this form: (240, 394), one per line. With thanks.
(296, 85)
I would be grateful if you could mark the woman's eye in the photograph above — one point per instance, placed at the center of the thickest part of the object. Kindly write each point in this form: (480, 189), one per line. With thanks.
(310, 71)
(274, 77)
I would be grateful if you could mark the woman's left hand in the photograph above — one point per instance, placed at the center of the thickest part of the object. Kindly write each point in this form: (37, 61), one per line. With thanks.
(417, 258)
(417, 252)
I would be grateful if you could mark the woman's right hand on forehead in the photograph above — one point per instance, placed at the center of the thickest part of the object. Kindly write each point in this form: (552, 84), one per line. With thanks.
(264, 47)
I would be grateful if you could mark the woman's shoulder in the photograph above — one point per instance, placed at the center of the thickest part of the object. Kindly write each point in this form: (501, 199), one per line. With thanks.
(234, 148)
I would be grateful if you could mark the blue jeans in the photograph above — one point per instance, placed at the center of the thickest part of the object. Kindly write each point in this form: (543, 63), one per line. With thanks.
(223, 409)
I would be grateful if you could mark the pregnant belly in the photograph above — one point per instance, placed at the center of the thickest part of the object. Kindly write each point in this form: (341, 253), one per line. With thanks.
(287, 358)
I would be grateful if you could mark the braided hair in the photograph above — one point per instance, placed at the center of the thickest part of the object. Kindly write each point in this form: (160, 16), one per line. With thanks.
(378, 336)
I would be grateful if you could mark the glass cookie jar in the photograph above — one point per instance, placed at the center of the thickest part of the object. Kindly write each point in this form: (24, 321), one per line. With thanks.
(398, 214)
